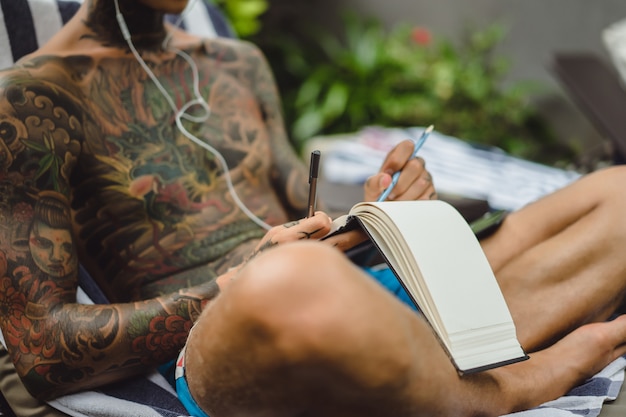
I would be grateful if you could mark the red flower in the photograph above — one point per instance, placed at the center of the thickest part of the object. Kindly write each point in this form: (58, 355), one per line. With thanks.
(166, 334)
(421, 36)
(28, 336)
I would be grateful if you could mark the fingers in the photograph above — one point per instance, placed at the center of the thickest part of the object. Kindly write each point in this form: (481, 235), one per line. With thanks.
(592, 346)
(553, 371)
(414, 183)
(375, 185)
(314, 227)
(397, 158)
(347, 240)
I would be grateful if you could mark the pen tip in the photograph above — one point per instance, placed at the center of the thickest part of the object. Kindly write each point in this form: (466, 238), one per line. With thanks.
(430, 128)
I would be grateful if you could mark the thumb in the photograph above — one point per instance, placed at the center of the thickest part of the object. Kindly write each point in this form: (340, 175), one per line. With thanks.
(375, 185)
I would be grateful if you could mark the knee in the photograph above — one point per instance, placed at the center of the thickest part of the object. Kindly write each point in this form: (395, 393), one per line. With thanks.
(608, 186)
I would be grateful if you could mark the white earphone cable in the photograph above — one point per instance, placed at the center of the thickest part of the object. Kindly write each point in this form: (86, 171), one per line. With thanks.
(182, 112)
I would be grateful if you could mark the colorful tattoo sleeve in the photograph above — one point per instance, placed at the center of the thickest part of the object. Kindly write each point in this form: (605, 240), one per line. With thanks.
(59, 346)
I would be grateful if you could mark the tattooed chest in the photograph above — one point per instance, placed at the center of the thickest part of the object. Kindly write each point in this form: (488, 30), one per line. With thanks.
(159, 201)
(152, 203)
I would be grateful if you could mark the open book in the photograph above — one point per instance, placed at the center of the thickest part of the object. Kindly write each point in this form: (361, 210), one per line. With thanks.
(438, 260)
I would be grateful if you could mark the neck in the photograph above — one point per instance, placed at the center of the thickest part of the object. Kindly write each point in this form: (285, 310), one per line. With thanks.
(145, 24)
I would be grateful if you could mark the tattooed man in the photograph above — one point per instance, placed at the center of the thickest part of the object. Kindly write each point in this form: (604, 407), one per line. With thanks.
(95, 170)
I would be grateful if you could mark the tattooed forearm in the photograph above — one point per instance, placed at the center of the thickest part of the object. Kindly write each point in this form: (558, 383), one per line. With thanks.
(289, 172)
(89, 344)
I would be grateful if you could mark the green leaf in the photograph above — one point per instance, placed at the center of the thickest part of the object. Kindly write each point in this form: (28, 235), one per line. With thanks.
(341, 82)
(246, 8)
(307, 125)
(243, 15)
(309, 92)
(246, 27)
(336, 100)
(36, 146)
(44, 165)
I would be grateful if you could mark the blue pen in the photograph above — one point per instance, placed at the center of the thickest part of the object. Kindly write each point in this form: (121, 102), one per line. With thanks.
(416, 147)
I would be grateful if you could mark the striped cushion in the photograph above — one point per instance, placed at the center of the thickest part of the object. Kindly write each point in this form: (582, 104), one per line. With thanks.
(26, 24)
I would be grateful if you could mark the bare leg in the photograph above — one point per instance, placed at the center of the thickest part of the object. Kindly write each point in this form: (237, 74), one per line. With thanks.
(302, 332)
(561, 261)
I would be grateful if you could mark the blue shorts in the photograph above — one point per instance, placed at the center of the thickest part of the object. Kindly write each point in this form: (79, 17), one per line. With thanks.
(388, 280)
(383, 275)
(182, 389)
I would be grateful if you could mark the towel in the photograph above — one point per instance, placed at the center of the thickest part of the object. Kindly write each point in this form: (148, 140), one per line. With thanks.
(148, 396)
(152, 396)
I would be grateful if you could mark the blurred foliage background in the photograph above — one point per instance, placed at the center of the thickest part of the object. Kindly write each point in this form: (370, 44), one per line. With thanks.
(244, 15)
(349, 73)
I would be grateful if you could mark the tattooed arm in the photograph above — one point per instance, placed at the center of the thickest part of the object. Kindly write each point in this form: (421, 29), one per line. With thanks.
(59, 346)
(289, 173)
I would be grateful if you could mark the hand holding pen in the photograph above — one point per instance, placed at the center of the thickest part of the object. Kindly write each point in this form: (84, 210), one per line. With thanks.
(417, 144)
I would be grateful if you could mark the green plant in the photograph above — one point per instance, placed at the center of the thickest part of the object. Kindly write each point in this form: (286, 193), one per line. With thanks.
(405, 77)
(244, 15)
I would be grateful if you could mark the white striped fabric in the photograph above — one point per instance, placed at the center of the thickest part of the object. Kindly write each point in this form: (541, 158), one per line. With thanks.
(196, 20)
(27, 24)
(6, 58)
(46, 18)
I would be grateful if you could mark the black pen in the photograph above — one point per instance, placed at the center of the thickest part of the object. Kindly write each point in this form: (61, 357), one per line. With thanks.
(313, 174)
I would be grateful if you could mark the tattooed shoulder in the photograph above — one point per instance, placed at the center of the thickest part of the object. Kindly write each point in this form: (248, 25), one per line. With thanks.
(41, 118)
